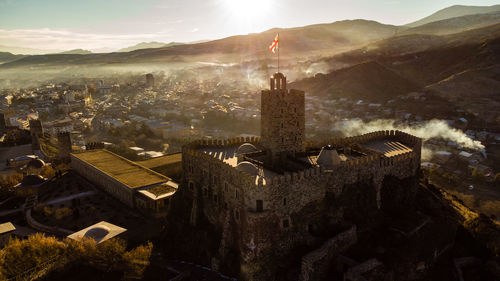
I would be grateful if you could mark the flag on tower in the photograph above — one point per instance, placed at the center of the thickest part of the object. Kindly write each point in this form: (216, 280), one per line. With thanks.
(274, 45)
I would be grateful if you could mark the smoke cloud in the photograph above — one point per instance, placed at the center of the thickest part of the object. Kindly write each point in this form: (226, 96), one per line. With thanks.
(428, 130)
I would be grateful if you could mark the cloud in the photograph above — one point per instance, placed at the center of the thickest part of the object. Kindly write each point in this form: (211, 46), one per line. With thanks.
(195, 30)
(63, 39)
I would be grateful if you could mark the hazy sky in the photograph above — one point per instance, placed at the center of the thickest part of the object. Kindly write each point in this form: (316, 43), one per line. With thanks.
(112, 24)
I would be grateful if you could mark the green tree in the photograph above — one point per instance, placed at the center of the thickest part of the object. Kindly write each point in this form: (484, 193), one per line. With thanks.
(7, 183)
(478, 175)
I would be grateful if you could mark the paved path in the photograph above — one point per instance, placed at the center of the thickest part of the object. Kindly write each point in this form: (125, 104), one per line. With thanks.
(9, 212)
(69, 197)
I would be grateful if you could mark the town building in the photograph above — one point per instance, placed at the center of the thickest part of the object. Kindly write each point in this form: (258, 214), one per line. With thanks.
(134, 185)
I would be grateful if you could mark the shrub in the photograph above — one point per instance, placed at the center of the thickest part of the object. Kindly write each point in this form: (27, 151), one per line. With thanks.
(19, 256)
(62, 213)
(497, 178)
(7, 183)
(137, 259)
(477, 175)
(48, 211)
(47, 171)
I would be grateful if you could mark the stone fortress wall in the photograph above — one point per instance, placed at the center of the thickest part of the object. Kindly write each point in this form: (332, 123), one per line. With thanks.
(226, 195)
(267, 197)
(370, 166)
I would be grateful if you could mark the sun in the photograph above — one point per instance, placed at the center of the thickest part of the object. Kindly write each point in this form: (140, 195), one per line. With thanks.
(248, 10)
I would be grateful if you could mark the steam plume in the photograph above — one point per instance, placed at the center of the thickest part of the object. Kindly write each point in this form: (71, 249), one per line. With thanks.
(430, 129)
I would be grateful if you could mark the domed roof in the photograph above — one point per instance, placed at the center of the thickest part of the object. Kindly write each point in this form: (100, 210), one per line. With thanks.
(36, 163)
(246, 148)
(97, 233)
(248, 167)
(32, 180)
(328, 157)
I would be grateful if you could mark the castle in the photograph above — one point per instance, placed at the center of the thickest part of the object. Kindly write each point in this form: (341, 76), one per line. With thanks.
(269, 201)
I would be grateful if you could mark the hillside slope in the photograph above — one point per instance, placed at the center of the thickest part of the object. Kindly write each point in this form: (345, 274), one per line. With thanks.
(149, 45)
(8, 57)
(454, 25)
(455, 11)
(370, 81)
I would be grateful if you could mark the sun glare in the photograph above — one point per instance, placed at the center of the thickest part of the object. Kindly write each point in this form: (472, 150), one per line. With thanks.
(248, 10)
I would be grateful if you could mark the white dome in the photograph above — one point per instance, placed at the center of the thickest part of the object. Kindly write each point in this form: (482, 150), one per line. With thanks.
(328, 157)
(248, 167)
(97, 233)
(246, 148)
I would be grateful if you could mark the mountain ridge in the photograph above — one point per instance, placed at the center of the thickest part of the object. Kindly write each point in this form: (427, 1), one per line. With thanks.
(454, 11)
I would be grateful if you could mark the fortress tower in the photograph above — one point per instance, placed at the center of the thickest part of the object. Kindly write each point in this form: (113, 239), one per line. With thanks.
(283, 120)
(36, 131)
(3, 124)
(64, 144)
(150, 80)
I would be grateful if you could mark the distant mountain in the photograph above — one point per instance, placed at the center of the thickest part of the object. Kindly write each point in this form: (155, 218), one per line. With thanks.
(367, 81)
(454, 25)
(463, 68)
(312, 40)
(76, 52)
(8, 57)
(26, 51)
(149, 45)
(455, 11)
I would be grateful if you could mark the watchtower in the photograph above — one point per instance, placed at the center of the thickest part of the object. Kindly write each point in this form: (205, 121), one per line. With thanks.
(282, 119)
(150, 80)
(64, 144)
(36, 132)
(3, 124)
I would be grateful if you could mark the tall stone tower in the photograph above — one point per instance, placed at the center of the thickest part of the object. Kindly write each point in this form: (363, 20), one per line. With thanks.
(282, 119)
(36, 132)
(64, 144)
(3, 124)
(150, 80)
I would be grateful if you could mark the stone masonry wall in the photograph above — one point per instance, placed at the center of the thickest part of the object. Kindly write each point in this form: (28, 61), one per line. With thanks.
(283, 121)
(229, 196)
(315, 264)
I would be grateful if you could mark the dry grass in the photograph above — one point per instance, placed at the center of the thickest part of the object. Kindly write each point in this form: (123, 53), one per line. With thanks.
(161, 189)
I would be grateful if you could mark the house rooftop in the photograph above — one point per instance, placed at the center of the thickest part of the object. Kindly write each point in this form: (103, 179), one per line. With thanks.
(6, 227)
(162, 160)
(127, 172)
(100, 232)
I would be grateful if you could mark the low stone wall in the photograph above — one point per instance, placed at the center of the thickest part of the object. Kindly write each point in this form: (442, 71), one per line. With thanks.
(45, 228)
(355, 273)
(316, 263)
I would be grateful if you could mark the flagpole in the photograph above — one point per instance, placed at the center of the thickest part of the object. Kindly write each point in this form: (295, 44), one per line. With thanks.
(278, 53)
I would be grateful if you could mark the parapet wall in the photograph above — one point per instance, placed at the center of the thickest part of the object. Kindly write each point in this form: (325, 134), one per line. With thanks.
(315, 264)
(370, 162)
(377, 135)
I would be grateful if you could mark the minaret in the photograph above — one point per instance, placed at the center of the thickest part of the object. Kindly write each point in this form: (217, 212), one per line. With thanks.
(282, 120)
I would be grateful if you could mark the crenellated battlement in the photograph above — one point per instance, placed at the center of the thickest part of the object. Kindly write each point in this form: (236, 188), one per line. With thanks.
(372, 160)
(222, 143)
(377, 135)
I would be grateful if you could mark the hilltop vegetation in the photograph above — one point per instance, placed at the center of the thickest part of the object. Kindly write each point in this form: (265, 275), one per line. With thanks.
(40, 252)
